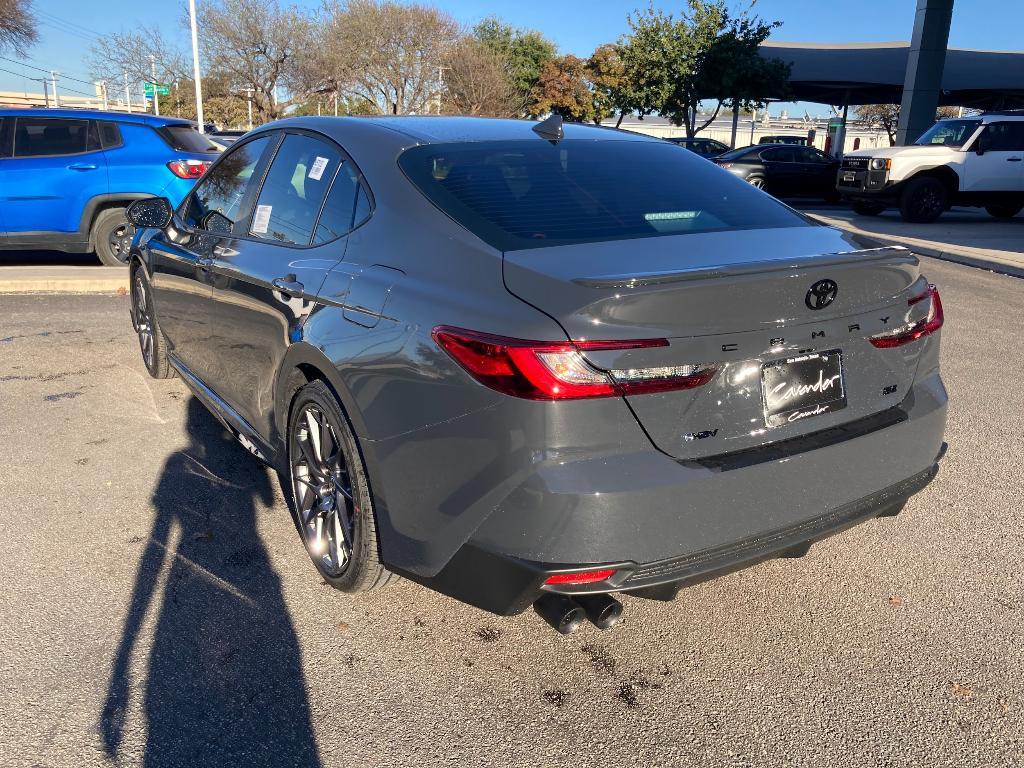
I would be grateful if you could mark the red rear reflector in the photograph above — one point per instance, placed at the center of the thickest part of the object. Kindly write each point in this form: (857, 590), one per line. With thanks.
(188, 169)
(545, 370)
(580, 577)
(914, 331)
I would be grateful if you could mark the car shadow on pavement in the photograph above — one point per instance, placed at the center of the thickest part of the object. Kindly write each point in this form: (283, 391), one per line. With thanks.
(224, 682)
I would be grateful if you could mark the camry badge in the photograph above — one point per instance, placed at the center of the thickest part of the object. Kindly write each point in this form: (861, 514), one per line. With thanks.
(821, 294)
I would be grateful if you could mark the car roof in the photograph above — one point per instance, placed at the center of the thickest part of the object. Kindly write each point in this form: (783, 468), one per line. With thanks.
(434, 129)
(142, 118)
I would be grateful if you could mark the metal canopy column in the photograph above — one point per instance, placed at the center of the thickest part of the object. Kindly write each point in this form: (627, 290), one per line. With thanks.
(924, 69)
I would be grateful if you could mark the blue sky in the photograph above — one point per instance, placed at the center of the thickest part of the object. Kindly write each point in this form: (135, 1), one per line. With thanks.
(69, 26)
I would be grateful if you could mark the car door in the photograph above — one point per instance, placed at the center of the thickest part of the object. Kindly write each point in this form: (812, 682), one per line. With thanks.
(817, 171)
(6, 146)
(999, 166)
(181, 255)
(266, 283)
(779, 170)
(55, 169)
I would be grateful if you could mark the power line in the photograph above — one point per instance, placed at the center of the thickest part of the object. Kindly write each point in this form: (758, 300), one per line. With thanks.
(64, 88)
(73, 24)
(42, 69)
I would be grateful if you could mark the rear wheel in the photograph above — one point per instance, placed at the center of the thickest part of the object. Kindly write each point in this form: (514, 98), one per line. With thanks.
(868, 209)
(332, 504)
(1003, 211)
(923, 200)
(112, 237)
(756, 181)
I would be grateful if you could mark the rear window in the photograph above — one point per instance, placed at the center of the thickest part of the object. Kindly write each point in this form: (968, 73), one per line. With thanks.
(185, 138)
(532, 194)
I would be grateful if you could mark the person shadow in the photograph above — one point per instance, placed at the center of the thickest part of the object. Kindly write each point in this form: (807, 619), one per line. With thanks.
(224, 683)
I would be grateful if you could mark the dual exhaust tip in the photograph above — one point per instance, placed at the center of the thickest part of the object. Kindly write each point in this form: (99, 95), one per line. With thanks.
(565, 614)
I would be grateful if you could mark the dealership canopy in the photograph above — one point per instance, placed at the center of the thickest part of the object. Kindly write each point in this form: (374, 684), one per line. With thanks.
(873, 73)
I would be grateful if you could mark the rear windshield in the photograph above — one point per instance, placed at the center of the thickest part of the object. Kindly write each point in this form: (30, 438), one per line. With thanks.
(532, 194)
(185, 138)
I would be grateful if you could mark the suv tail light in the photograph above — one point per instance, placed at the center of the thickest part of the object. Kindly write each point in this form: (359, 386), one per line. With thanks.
(544, 370)
(188, 169)
(914, 331)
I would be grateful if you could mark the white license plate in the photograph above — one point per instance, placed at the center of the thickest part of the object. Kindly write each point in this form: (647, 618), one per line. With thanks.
(849, 176)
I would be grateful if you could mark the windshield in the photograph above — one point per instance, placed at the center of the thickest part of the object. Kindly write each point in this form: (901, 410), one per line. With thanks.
(949, 133)
(534, 193)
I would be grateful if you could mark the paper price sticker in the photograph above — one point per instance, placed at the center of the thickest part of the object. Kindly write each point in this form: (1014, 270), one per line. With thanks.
(319, 166)
(261, 220)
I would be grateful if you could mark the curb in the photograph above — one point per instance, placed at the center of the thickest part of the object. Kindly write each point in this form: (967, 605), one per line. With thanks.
(110, 280)
(988, 265)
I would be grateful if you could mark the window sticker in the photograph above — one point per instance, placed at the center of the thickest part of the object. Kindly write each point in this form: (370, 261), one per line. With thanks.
(319, 166)
(261, 221)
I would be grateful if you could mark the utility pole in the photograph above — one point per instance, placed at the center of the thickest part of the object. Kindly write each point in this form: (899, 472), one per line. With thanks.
(46, 93)
(127, 92)
(53, 79)
(102, 86)
(335, 102)
(195, 64)
(248, 104)
(156, 96)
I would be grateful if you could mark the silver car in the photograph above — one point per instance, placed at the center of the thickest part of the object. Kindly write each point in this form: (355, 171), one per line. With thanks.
(534, 364)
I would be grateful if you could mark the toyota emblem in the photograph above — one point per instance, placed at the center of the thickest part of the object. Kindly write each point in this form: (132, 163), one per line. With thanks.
(821, 294)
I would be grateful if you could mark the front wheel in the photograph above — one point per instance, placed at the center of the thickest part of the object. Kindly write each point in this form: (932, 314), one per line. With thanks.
(862, 208)
(151, 338)
(333, 507)
(1003, 211)
(757, 182)
(112, 237)
(923, 200)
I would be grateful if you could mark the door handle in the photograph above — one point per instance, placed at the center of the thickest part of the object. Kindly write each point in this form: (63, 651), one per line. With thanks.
(289, 285)
(1013, 159)
(82, 167)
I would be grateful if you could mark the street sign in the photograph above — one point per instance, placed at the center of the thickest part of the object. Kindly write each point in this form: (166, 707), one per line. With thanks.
(162, 90)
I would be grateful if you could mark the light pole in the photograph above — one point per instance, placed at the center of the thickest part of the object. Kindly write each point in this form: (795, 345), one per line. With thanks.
(195, 64)
(53, 79)
(127, 92)
(248, 104)
(156, 96)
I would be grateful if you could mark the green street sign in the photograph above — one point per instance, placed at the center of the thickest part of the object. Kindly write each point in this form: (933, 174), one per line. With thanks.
(161, 90)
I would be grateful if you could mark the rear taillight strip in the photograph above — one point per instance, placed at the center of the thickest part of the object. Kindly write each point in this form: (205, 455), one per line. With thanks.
(914, 331)
(541, 370)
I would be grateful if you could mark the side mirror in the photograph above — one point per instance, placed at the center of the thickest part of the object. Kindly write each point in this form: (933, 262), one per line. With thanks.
(150, 213)
(217, 223)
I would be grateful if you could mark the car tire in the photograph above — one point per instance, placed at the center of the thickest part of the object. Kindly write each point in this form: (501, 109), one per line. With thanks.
(868, 209)
(757, 182)
(152, 344)
(112, 237)
(332, 506)
(924, 199)
(1003, 211)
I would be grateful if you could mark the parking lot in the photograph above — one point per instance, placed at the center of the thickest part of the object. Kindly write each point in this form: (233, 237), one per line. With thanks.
(158, 607)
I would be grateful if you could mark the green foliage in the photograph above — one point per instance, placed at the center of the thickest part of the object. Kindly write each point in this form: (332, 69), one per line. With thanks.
(524, 52)
(671, 65)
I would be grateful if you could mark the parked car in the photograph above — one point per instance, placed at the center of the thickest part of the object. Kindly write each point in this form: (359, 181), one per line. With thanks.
(977, 161)
(228, 137)
(702, 147)
(67, 175)
(781, 138)
(784, 170)
(539, 364)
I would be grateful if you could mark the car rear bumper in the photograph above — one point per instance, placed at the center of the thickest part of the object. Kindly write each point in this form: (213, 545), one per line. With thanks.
(659, 521)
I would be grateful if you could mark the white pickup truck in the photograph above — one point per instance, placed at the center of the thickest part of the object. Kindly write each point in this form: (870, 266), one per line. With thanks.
(976, 161)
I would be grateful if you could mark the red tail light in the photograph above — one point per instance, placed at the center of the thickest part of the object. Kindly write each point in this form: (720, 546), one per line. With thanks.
(580, 577)
(543, 370)
(188, 169)
(914, 331)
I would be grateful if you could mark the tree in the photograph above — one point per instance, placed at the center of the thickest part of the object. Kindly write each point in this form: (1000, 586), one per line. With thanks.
(671, 65)
(563, 89)
(524, 52)
(476, 82)
(606, 70)
(887, 117)
(383, 54)
(17, 26)
(129, 53)
(254, 44)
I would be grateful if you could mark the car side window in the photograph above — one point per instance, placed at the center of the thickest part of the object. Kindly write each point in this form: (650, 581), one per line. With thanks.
(47, 137)
(110, 134)
(779, 155)
(339, 208)
(294, 190)
(1004, 137)
(223, 189)
(811, 155)
(362, 207)
(6, 127)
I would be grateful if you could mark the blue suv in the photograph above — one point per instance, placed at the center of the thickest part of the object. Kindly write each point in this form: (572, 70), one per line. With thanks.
(67, 175)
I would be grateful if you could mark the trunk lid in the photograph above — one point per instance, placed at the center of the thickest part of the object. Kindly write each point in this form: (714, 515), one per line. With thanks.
(736, 300)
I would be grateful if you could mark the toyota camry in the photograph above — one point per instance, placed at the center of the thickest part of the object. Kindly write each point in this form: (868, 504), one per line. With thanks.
(538, 364)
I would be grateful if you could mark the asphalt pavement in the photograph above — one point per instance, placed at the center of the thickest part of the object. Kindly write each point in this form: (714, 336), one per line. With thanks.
(158, 609)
